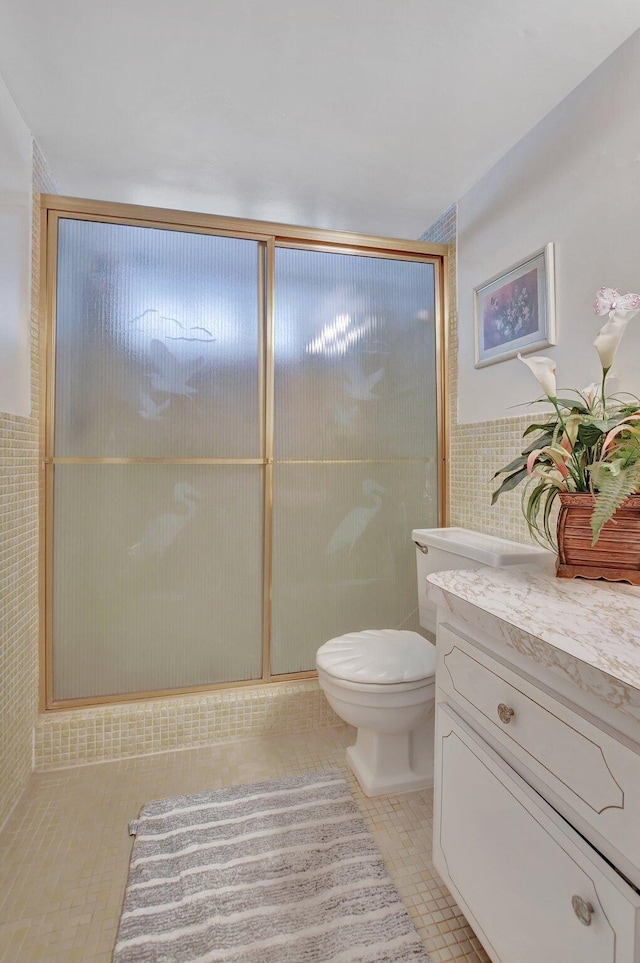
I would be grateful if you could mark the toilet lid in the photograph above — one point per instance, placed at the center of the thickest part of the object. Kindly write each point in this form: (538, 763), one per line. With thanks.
(385, 656)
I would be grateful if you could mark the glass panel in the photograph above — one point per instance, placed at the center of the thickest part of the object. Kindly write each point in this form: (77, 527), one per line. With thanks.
(355, 357)
(157, 343)
(343, 555)
(157, 577)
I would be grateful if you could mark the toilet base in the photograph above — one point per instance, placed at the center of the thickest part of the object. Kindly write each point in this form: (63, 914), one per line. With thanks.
(392, 762)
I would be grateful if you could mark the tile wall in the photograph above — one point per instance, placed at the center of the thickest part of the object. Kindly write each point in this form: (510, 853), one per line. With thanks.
(443, 230)
(19, 480)
(106, 733)
(478, 450)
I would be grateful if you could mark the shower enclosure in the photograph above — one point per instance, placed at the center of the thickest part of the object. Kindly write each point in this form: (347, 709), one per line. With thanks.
(244, 423)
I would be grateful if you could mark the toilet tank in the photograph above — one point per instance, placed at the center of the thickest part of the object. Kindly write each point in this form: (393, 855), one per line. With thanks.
(444, 549)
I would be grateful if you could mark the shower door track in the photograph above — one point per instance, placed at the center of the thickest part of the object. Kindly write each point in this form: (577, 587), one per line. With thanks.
(270, 236)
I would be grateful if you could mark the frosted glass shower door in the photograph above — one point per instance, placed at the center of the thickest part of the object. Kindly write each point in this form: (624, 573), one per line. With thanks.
(158, 460)
(241, 434)
(355, 445)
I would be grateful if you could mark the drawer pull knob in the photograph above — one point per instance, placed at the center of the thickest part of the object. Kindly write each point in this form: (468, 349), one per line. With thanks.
(505, 713)
(583, 909)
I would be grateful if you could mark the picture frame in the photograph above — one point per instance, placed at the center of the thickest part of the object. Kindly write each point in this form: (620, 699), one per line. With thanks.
(514, 311)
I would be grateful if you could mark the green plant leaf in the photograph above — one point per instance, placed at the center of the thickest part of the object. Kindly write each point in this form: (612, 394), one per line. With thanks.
(508, 484)
(540, 442)
(615, 483)
(590, 434)
(518, 462)
(548, 506)
(619, 418)
(626, 408)
(572, 405)
(629, 448)
(532, 499)
(601, 470)
(547, 428)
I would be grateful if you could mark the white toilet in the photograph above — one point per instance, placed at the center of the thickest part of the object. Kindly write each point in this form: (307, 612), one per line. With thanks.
(382, 681)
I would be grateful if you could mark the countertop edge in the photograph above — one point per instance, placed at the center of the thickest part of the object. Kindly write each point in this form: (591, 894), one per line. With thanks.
(437, 593)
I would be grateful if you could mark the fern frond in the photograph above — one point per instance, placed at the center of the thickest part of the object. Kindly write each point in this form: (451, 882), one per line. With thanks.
(614, 487)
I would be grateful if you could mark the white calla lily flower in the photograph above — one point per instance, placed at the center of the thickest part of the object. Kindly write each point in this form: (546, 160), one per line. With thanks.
(544, 369)
(606, 344)
(591, 394)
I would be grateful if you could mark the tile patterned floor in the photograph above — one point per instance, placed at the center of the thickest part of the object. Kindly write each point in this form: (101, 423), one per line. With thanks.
(64, 852)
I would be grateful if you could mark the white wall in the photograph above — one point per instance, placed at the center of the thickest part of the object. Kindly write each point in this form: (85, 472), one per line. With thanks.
(15, 257)
(575, 180)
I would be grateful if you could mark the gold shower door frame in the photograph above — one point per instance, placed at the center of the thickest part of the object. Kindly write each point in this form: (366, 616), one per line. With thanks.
(269, 236)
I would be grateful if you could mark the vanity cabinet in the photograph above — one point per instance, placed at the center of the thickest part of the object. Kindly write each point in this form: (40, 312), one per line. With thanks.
(591, 777)
(533, 889)
(536, 797)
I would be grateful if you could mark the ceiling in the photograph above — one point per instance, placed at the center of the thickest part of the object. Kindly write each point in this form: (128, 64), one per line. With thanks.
(363, 115)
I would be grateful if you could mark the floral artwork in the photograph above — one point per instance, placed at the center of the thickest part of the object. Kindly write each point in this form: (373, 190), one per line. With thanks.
(514, 311)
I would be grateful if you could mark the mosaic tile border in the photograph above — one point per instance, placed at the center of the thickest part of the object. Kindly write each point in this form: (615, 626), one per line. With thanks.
(444, 228)
(77, 737)
(478, 450)
(19, 496)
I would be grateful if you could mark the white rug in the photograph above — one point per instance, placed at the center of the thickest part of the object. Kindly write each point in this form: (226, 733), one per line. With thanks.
(278, 872)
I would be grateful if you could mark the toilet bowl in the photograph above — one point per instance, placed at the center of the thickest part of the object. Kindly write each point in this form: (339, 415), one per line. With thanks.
(382, 681)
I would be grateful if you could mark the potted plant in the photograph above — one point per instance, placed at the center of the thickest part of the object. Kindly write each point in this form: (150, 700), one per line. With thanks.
(585, 456)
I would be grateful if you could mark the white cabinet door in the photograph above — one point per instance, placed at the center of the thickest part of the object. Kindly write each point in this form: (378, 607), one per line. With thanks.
(522, 875)
(591, 773)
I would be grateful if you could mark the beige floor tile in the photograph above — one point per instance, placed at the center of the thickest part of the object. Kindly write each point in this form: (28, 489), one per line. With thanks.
(64, 853)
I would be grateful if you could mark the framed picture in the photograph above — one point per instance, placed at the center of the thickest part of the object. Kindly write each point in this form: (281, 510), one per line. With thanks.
(515, 310)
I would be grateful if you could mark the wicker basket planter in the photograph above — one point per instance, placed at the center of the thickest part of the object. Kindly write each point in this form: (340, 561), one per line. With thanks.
(616, 554)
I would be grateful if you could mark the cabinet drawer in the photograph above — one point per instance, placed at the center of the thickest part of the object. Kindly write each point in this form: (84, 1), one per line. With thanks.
(594, 773)
(520, 873)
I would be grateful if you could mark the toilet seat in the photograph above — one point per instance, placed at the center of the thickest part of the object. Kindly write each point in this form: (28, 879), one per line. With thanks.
(375, 688)
(378, 658)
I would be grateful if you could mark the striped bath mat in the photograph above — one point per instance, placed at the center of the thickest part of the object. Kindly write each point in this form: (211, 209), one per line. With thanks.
(279, 872)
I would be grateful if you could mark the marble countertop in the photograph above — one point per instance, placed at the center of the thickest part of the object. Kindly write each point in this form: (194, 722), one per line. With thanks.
(597, 623)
